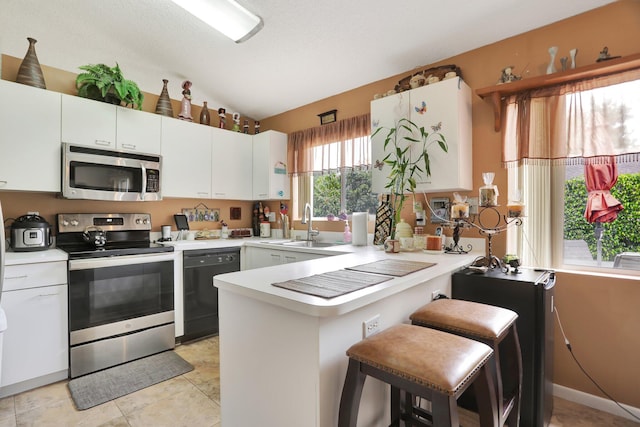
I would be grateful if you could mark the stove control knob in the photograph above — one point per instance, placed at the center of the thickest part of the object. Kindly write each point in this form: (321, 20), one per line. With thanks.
(74, 222)
(65, 222)
(137, 220)
(145, 221)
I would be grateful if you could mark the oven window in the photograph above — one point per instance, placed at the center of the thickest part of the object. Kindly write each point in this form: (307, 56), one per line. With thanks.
(93, 176)
(105, 295)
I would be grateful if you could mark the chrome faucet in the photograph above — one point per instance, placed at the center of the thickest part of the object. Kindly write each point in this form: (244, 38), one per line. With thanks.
(306, 219)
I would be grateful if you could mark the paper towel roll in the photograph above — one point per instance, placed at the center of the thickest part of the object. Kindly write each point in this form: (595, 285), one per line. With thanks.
(359, 228)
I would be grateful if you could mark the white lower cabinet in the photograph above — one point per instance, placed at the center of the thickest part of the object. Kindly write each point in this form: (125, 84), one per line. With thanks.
(35, 347)
(265, 257)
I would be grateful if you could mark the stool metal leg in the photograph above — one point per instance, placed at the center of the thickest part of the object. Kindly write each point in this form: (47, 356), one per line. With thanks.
(351, 394)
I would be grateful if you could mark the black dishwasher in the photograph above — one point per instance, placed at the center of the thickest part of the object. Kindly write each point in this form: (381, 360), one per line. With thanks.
(200, 296)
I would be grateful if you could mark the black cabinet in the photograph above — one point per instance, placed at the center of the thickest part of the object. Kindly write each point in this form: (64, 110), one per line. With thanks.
(530, 294)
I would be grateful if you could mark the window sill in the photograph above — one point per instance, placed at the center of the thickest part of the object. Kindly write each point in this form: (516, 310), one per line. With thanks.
(599, 272)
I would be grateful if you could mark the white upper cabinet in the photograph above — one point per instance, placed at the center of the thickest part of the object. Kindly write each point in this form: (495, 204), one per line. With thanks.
(446, 106)
(270, 171)
(231, 167)
(102, 125)
(138, 131)
(29, 138)
(186, 159)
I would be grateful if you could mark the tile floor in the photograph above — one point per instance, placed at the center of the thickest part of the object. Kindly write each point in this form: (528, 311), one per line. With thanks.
(193, 400)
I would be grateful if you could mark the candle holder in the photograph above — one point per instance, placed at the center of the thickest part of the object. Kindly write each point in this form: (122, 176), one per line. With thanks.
(489, 222)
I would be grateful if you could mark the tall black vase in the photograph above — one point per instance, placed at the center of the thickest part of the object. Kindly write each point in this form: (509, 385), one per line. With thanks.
(30, 72)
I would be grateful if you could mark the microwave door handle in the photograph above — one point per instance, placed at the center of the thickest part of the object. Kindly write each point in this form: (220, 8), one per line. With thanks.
(144, 181)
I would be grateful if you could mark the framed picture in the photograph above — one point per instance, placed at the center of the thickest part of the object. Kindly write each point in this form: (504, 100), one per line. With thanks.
(328, 117)
(439, 210)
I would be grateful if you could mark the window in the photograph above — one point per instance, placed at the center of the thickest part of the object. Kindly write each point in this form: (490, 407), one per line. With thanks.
(599, 168)
(343, 189)
(332, 168)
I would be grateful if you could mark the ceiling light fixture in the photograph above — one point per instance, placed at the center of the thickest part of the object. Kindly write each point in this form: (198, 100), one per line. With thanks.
(226, 16)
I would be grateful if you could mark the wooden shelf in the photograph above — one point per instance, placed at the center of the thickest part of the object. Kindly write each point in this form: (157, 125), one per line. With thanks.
(497, 93)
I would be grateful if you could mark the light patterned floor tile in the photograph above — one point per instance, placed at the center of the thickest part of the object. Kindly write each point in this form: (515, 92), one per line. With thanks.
(42, 396)
(186, 409)
(7, 412)
(138, 400)
(64, 413)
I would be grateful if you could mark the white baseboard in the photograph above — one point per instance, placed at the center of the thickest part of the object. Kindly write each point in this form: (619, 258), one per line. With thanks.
(595, 402)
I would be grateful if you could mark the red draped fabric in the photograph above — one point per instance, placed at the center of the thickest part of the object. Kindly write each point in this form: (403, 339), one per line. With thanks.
(600, 178)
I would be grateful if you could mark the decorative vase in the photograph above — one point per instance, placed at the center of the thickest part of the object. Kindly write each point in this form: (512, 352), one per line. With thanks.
(30, 72)
(163, 105)
(551, 68)
(205, 117)
(572, 54)
(384, 217)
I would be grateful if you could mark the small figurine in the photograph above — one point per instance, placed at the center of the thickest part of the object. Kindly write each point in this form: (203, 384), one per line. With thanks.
(604, 55)
(185, 110)
(245, 126)
(508, 76)
(236, 122)
(222, 113)
(256, 127)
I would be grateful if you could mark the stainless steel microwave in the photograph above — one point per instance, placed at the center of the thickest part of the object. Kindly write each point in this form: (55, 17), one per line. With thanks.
(97, 174)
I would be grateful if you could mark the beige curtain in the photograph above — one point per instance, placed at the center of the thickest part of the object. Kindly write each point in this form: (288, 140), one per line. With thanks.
(332, 147)
(577, 123)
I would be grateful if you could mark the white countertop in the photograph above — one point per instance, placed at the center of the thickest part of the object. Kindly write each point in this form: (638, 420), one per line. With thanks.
(49, 255)
(257, 283)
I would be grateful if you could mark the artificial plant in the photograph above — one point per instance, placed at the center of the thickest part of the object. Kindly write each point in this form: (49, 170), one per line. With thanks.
(407, 146)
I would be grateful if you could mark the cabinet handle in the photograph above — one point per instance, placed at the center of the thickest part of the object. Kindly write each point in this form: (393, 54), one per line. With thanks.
(55, 294)
(128, 146)
(202, 193)
(103, 143)
(16, 277)
(3, 183)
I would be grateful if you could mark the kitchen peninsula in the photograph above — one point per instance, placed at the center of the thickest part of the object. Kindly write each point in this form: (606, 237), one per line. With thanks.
(282, 353)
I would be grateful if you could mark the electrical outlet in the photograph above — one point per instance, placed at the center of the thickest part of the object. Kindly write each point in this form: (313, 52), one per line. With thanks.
(371, 326)
(435, 294)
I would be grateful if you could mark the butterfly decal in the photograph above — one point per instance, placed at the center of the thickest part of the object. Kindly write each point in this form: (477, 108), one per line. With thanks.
(378, 165)
(376, 123)
(423, 109)
(437, 127)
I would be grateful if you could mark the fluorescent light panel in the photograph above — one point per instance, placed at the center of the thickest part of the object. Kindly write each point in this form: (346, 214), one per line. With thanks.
(226, 16)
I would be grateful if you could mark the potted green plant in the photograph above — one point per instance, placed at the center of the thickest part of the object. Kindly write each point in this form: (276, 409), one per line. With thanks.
(407, 146)
(107, 84)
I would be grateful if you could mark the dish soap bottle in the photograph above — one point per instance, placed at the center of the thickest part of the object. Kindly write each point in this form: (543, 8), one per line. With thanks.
(347, 232)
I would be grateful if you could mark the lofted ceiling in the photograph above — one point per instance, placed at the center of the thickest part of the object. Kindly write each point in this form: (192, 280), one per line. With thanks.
(308, 49)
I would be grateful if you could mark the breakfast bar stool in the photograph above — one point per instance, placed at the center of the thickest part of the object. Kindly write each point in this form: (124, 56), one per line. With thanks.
(424, 362)
(494, 326)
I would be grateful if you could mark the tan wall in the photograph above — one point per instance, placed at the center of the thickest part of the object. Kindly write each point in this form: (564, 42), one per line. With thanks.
(600, 316)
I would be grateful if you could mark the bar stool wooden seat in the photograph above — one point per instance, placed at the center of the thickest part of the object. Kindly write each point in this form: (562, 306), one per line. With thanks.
(494, 326)
(424, 362)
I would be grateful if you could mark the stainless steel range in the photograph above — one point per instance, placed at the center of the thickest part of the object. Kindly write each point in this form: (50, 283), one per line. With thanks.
(121, 290)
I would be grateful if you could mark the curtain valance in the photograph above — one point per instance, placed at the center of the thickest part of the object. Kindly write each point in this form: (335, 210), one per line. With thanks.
(574, 122)
(335, 146)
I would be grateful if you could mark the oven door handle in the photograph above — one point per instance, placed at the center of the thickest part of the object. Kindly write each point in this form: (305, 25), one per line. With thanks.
(116, 261)
(144, 181)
